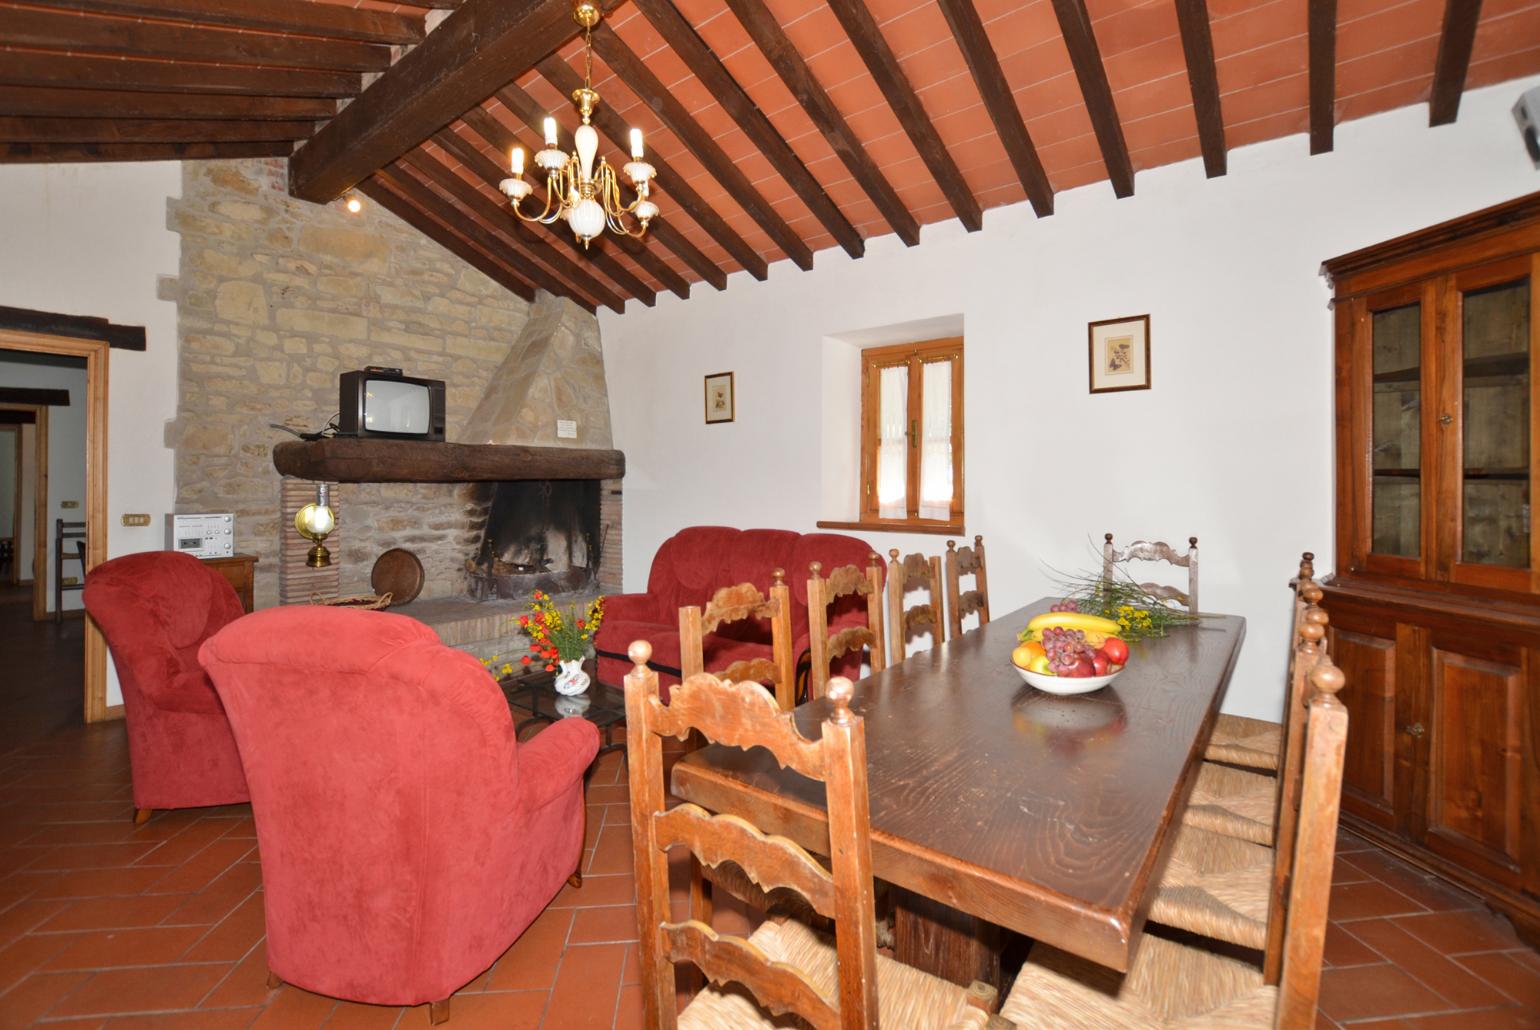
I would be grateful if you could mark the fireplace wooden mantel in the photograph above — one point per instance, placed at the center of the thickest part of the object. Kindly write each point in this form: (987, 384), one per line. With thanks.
(341, 459)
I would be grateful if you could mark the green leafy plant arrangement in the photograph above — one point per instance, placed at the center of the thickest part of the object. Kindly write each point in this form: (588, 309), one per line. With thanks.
(1125, 602)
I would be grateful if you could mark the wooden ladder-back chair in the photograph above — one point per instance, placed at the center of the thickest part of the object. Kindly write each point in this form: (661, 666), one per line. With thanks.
(786, 966)
(912, 572)
(1258, 743)
(1156, 550)
(735, 604)
(821, 593)
(960, 603)
(1216, 881)
(1172, 984)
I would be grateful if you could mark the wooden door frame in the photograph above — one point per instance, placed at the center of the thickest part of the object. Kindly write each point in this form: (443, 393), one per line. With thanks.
(39, 578)
(95, 353)
(16, 500)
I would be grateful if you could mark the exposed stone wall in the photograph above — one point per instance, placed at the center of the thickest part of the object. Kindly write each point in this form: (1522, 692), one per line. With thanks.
(276, 297)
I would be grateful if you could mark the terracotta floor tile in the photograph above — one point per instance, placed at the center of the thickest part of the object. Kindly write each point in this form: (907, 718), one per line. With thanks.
(1456, 933)
(193, 839)
(1367, 992)
(113, 913)
(608, 793)
(628, 1010)
(587, 987)
(1344, 949)
(148, 989)
(35, 997)
(632, 973)
(149, 946)
(295, 1009)
(612, 889)
(26, 955)
(23, 916)
(613, 852)
(1509, 974)
(352, 1015)
(1423, 888)
(509, 1010)
(245, 985)
(91, 856)
(1513, 1018)
(1455, 985)
(216, 1019)
(220, 898)
(603, 925)
(1370, 899)
(1345, 870)
(98, 883)
(203, 868)
(232, 937)
(532, 962)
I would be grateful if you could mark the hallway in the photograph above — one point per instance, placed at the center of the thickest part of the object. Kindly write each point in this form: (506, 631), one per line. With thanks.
(41, 670)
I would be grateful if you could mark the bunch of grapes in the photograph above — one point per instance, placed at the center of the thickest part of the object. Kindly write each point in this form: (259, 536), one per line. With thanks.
(1065, 647)
(1066, 605)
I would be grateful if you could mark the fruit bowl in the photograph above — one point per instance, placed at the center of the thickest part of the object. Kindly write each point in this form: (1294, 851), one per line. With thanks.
(1066, 684)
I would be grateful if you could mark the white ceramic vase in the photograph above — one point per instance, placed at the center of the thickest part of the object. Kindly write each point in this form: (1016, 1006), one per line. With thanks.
(571, 680)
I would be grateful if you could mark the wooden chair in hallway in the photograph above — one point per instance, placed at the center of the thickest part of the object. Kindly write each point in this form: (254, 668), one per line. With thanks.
(847, 644)
(75, 533)
(737, 604)
(960, 603)
(784, 966)
(913, 572)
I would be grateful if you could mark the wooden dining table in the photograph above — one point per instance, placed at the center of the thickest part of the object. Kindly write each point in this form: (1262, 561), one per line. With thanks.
(997, 805)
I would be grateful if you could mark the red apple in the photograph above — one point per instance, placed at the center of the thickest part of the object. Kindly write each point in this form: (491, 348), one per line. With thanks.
(1099, 663)
(1083, 667)
(1116, 650)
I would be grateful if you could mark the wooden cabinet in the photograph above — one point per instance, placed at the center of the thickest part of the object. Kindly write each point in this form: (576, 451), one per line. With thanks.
(240, 570)
(1436, 601)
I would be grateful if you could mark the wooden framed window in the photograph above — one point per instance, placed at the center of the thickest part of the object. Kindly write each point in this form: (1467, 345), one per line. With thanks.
(912, 434)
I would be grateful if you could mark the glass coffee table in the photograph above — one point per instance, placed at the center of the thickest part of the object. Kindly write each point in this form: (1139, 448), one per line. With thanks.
(535, 693)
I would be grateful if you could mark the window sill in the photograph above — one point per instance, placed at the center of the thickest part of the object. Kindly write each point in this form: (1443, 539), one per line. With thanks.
(898, 526)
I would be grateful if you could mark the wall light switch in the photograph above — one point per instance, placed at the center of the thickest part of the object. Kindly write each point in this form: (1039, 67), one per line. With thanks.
(69, 504)
(566, 429)
(136, 520)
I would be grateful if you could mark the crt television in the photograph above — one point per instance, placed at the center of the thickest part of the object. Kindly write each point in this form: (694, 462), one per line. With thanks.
(385, 403)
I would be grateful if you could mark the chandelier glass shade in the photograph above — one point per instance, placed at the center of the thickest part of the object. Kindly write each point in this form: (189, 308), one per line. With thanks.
(587, 196)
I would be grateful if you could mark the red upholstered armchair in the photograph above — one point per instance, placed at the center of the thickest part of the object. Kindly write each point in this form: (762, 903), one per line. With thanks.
(156, 609)
(695, 562)
(406, 838)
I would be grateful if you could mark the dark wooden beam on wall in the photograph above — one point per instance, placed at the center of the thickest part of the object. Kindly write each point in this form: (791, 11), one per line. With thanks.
(29, 395)
(631, 70)
(12, 417)
(725, 90)
(999, 101)
(382, 189)
(499, 216)
(1323, 74)
(44, 102)
(1203, 80)
(311, 19)
(59, 30)
(560, 74)
(79, 327)
(879, 59)
(502, 139)
(480, 47)
(1075, 25)
(766, 32)
(58, 153)
(66, 71)
(146, 130)
(418, 173)
(1454, 48)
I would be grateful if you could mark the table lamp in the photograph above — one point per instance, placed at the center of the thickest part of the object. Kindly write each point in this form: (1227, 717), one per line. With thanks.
(315, 522)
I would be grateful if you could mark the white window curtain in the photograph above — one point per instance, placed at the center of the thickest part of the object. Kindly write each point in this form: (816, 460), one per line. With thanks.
(936, 447)
(893, 441)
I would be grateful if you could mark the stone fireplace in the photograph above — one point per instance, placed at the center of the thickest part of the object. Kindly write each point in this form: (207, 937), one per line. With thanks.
(537, 535)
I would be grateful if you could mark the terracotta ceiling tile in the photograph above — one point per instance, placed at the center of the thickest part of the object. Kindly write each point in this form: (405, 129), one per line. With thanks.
(1388, 29)
(1080, 175)
(1503, 68)
(1065, 123)
(1154, 97)
(1263, 65)
(1256, 25)
(1281, 95)
(1384, 98)
(1412, 62)
(1160, 131)
(1121, 27)
(1169, 152)
(1506, 32)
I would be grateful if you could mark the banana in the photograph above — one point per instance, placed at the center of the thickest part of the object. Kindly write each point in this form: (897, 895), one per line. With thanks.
(1073, 620)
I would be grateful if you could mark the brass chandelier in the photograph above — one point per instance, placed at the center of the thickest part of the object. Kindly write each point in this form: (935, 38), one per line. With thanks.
(587, 197)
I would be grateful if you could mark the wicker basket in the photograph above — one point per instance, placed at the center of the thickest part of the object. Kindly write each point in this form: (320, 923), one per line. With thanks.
(363, 602)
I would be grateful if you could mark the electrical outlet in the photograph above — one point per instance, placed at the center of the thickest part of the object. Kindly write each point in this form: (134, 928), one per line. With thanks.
(566, 429)
(136, 520)
(70, 581)
(69, 504)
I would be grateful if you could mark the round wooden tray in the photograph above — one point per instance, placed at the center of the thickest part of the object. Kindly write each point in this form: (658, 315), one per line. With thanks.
(397, 572)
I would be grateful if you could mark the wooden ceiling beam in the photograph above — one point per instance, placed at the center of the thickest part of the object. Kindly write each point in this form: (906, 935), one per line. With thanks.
(999, 101)
(1323, 74)
(499, 215)
(381, 189)
(58, 153)
(478, 48)
(130, 37)
(558, 275)
(766, 32)
(43, 102)
(1080, 40)
(559, 74)
(1454, 48)
(631, 70)
(502, 139)
(1203, 80)
(67, 71)
(310, 19)
(146, 130)
(687, 44)
(879, 59)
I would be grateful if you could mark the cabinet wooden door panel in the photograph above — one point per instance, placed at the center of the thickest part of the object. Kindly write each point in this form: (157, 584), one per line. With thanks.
(1368, 661)
(1475, 767)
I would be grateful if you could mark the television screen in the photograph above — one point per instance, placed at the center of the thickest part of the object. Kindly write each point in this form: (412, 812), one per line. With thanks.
(396, 407)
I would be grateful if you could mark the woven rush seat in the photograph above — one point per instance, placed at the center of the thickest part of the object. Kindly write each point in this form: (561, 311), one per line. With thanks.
(1217, 886)
(906, 997)
(1167, 985)
(1234, 802)
(1253, 743)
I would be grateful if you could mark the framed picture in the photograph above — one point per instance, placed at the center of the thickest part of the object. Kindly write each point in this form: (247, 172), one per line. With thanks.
(719, 397)
(1120, 354)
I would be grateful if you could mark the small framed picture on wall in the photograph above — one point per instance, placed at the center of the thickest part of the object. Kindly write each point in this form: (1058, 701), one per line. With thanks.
(1120, 354)
(719, 398)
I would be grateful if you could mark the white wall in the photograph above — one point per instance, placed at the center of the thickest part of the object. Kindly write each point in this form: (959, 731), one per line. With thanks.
(92, 240)
(66, 459)
(1232, 444)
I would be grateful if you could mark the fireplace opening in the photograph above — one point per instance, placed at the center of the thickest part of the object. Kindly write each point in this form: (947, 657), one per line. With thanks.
(539, 535)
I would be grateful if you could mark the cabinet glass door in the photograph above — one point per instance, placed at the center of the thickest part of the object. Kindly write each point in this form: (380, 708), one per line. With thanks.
(1396, 435)
(1495, 437)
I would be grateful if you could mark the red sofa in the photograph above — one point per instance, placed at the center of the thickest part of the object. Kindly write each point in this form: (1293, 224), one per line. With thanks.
(156, 609)
(406, 837)
(693, 564)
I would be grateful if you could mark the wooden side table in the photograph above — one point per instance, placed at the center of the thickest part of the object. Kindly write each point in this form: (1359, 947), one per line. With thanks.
(240, 570)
